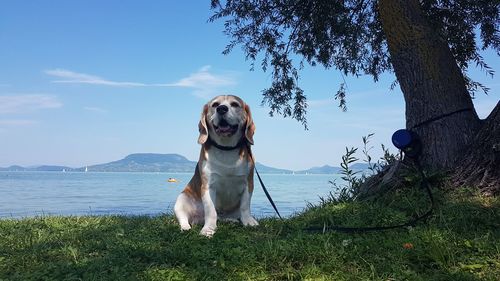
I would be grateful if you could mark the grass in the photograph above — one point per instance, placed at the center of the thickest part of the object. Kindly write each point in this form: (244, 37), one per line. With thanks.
(461, 241)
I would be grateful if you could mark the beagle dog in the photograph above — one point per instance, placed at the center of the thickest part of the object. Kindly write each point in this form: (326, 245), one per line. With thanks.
(222, 184)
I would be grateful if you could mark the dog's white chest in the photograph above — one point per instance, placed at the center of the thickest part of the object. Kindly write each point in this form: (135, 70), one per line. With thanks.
(226, 163)
(227, 174)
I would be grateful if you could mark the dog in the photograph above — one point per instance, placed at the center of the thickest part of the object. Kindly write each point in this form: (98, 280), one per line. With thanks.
(222, 184)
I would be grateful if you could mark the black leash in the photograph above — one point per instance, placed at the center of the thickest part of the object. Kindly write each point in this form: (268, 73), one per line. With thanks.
(263, 185)
(267, 194)
(424, 183)
(440, 117)
(409, 143)
(409, 223)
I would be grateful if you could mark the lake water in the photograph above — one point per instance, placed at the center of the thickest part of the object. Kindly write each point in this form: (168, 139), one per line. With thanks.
(27, 194)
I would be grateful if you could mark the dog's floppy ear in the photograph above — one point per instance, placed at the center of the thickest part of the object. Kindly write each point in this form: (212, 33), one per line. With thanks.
(250, 126)
(202, 126)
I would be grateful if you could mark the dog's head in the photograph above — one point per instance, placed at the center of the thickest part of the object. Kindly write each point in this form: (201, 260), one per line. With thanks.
(226, 119)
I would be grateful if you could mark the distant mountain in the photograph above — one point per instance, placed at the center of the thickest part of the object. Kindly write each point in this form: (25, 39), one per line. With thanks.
(13, 168)
(147, 162)
(51, 168)
(171, 163)
(359, 166)
(45, 168)
(139, 162)
(326, 169)
(270, 170)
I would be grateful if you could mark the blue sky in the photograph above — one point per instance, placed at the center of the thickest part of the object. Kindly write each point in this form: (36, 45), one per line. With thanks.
(87, 82)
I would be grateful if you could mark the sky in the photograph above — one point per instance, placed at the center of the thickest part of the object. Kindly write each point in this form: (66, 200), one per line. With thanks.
(89, 82)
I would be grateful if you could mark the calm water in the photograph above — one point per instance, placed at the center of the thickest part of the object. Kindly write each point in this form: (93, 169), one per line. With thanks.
(26, 194)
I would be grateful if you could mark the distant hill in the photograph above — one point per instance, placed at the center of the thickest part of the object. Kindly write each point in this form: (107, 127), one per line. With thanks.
(171, 163)
(359, 166)
(13, 168)
(147, 162)
(270, 170)
(51, 168)
(44, 168)
(139, 162)
(326, 169)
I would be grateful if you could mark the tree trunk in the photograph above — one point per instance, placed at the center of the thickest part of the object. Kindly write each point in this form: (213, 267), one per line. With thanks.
(438, 107)
(480, 164)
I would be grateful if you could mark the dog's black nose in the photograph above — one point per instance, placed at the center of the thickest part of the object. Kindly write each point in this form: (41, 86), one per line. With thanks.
(222, 109)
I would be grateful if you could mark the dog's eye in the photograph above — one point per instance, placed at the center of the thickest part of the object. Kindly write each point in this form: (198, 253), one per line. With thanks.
(215, 104)
(235, 104)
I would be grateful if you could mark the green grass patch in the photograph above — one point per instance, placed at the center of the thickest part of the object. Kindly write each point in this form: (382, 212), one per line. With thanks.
(461, 241)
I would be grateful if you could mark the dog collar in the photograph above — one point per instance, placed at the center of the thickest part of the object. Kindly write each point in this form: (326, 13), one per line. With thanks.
(227, 148)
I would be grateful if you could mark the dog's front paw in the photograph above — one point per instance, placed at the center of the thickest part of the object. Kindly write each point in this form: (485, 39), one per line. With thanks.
(249, 221)
(208, 231)
(185, 227)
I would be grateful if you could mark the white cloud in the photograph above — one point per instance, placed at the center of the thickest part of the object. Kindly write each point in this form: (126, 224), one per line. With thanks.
(82, 78)
(95, 109)
(203, 79)
(321, 103)
(205, 83)
(17, 122)
(26, 103)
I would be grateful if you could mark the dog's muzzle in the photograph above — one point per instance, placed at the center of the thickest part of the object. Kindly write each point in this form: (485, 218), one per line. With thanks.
(225, 129)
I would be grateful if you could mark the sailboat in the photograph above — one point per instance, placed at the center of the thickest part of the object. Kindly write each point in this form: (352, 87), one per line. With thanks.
(86, 169)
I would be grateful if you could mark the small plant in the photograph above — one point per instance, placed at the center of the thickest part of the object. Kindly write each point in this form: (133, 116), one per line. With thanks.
(353, 180)
(388, 158)
(366, 152)
(349, 189)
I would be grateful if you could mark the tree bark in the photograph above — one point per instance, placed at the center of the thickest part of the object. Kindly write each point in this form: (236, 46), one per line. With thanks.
(432, 84)
(480, 164)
